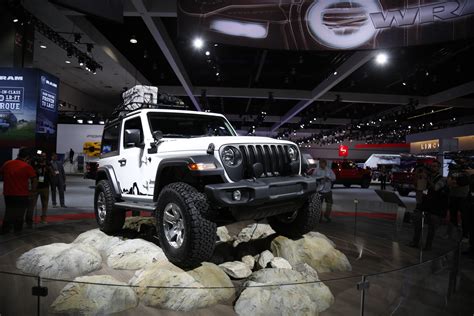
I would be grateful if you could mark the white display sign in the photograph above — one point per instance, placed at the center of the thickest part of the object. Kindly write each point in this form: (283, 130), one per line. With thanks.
(74, 136)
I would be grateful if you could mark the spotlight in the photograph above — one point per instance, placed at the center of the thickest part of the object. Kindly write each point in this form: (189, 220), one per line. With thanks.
(89, 47)
(335, 73)
(404, 83)
(77, 38)
(81, 61)
(133, 39)
(42, 46)
(101, 122)
(67, 62)
(80, 121)
(198, 43)
(381, 58)
(89, 122)
(217, 74)
(15, 20)
(207, 53)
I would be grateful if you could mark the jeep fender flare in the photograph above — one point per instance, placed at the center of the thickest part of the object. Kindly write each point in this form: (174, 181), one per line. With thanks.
(107, 172)
(184, 162)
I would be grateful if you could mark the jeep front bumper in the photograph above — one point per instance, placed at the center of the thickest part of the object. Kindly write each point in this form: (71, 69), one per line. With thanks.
(272, 190)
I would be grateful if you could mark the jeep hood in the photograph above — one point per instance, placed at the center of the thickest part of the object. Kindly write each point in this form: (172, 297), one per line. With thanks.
(202, 143)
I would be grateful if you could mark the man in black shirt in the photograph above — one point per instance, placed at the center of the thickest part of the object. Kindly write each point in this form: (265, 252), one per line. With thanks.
(43, 175)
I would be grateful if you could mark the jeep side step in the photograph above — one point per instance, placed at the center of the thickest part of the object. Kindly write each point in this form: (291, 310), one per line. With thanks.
(139, 206)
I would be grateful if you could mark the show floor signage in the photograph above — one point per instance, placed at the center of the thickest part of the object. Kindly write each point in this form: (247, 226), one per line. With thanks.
(327, 24)
(28, 108)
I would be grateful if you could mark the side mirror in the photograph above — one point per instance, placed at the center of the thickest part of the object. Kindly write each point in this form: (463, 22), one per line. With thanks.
(157, 135)
(132, 138)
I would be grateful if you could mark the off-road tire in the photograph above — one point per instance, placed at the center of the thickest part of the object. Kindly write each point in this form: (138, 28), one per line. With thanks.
(403, 192)
(365, 183)
(199, 232)
(305, 220)
(114, 218)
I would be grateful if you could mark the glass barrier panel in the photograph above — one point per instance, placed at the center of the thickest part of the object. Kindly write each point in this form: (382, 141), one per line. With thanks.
(346, 296)
(16, 294)
(422, 289)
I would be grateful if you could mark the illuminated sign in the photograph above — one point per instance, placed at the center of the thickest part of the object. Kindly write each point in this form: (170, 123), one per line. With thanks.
(425, 146)
(343, 151)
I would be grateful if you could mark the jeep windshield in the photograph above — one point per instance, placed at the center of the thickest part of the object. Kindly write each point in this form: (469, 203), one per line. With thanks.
(180, 125)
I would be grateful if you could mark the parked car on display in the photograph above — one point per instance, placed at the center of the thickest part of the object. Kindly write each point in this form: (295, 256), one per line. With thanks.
(8, 120)
(193, 172)
(348, 173)
(403, 178)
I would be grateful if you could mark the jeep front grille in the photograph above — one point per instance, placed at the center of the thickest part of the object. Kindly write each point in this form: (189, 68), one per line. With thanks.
(274, 159)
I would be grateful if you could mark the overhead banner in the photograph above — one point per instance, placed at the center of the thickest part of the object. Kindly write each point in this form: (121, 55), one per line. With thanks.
(326, 24)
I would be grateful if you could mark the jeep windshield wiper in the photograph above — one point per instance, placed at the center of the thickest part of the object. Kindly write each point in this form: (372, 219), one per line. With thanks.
(176, 135)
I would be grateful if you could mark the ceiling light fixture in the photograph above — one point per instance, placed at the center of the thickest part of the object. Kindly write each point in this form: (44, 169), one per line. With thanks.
(404, 83)
(198, 43)
(335, 73)
(208, 53)
(381, 58)
(67, 62)
(80, 121)
(42, 46)
(133, 39)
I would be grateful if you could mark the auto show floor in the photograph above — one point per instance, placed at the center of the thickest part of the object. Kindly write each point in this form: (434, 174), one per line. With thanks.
(372, 242)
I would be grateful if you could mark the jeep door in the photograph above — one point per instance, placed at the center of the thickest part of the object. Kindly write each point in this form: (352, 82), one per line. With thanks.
(132, 158)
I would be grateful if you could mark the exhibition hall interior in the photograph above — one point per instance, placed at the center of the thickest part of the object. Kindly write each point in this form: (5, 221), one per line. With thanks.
(182, 157)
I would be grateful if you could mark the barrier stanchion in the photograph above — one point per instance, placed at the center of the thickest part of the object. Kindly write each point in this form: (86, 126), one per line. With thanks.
(356, 203)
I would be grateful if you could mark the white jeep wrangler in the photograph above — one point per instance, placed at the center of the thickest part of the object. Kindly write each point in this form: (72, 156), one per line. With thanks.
(193, 172)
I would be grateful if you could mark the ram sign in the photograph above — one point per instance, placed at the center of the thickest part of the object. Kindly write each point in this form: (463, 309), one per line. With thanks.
(327, 24)
(28, 108)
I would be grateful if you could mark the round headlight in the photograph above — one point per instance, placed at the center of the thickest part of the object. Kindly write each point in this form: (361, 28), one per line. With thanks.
(231, 156)
(293, 153)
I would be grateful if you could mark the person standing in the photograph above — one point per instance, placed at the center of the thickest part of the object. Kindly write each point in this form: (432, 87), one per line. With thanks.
(71, 156)
(434, 206)
(383, 178)
(19, 183)
(421, 182)
(44, 174)
(458, 182)
(324, 179)
(58, 180)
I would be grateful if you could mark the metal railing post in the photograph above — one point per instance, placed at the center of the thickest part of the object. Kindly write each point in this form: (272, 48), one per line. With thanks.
(362, 286)
(356, 203)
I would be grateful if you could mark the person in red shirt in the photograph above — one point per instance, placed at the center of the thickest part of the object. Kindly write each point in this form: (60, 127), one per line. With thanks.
(19, 182)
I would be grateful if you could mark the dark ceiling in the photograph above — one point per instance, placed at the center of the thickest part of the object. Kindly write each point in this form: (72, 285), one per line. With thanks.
(418, 71)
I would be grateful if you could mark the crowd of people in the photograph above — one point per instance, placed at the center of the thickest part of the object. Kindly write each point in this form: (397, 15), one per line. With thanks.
(25, 179)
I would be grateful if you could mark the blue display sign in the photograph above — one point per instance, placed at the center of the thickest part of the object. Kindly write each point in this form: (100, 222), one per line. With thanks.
(28, 107)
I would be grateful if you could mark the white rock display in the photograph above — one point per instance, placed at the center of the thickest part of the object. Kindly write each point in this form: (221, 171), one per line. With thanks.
(134, 254)
(280, 263)
(314, 249)
(236, 269)
(134, 222)
(303, 299)
(264, 259)
(249, 261)
(252, 232)
(164, 274)
(59, 260)
(97, 239)
(91, 299)
(223, 234)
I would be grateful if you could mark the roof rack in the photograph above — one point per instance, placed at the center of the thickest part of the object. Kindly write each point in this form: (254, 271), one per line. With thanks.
(164, 101)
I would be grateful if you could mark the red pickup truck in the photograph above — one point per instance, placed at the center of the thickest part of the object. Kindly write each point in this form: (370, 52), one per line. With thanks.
(403, 180)
(347, 173)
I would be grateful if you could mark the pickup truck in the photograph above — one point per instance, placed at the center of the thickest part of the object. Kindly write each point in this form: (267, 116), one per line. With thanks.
(348, 173)
(403, 180)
